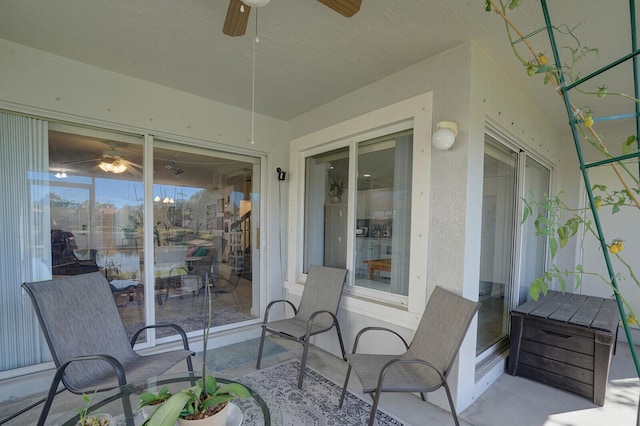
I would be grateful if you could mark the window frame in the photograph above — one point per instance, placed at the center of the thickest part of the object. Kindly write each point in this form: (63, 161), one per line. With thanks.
(413, 113)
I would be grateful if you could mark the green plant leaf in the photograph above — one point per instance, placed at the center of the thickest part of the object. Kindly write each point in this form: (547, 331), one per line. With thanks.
(573, 225)
(543, 69)
(211, 385)
(534, 290)
(562, 282)
(563, 236)
(167, 414)
(553, 247)
(628, 144)
(235, 389)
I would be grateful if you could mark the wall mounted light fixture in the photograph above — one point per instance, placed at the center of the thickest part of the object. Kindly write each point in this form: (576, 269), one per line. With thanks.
(281, 174)
(444, 135)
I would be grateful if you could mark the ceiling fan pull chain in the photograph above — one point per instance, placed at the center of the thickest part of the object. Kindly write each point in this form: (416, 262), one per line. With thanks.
(253, 83)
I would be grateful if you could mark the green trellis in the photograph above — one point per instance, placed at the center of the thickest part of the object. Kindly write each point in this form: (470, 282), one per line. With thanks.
(574, 120)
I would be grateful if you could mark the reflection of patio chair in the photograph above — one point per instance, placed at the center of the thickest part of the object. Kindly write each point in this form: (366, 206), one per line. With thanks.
(315, 314)
(88, 340)
(218, 284)
(122, 270)
(63, 258)
(170, 266)
(427, 362)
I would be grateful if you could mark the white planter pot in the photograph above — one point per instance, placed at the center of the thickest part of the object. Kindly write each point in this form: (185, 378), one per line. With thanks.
(218, 419)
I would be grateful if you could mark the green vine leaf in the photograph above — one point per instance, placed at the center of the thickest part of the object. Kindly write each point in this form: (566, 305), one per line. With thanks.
(628, 144)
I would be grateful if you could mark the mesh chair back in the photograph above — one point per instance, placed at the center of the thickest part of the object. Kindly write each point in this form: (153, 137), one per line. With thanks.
(442, 328)
(322, 291)
(78, 316)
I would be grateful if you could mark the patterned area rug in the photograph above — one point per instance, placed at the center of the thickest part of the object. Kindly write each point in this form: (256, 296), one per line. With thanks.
(315, 404)
(240, 353)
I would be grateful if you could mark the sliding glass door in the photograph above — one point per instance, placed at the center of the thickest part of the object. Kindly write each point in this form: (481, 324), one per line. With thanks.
(79, 201)
(511, 253)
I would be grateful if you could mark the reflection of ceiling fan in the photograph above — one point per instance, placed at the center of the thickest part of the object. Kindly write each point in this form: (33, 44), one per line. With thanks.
(113, 162)
(235, 23)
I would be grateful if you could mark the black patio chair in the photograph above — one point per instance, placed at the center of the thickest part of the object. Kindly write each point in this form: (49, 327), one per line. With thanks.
(425, 365)
(315, 314)
(88, 340)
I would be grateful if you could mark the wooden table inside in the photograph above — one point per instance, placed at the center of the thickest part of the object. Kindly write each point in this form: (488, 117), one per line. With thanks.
(378, 265)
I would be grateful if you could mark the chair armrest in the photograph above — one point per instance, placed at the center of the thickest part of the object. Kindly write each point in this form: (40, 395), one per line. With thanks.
(396, 361)
(315, 314)
(273, 302)
(185, 341)
(367, 329)
(115, 364)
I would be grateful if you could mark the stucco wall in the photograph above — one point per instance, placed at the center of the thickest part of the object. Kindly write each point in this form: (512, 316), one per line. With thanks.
(470, 89)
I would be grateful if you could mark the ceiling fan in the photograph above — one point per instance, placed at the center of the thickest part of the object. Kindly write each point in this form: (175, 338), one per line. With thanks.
(112, 162)
(235, 24)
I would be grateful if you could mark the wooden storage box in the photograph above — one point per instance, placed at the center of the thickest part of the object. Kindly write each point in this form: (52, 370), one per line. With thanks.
(566, 341)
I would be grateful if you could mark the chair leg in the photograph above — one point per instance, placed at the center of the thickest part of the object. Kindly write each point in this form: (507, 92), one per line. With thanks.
(52, 393)
(303, 362)
(344, 388)
(344, 357)
(126, 406)
(374, 407)
(453, 407)
(264, 331)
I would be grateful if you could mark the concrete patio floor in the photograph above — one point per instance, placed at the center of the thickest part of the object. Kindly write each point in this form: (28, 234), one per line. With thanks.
(509, 401)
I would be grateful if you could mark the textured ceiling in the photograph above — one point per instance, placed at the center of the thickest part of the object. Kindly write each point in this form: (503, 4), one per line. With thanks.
(307, 55)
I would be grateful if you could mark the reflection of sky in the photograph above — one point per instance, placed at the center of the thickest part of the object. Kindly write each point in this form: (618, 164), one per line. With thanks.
(117, 192)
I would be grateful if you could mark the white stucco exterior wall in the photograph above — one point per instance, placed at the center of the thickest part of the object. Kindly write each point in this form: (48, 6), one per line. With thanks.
(470, 89)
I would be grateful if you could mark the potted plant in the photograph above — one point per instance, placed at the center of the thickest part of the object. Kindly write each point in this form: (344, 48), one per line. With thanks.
(205, 403)
(95, 419)
(336, 189)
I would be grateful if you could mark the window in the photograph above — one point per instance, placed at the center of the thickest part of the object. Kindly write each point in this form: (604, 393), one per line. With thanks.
(375, 221)
(379, 224)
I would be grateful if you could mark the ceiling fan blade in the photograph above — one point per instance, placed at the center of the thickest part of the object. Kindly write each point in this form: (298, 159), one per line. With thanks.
(235, 24)
(80, 161)
(346, 8)
(134, 172)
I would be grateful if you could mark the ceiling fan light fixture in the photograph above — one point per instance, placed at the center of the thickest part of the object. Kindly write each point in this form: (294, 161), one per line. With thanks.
(256, 3)
(118, 166)
(105, 166)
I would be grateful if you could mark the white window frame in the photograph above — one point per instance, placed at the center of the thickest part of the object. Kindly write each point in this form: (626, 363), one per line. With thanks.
(416, 113)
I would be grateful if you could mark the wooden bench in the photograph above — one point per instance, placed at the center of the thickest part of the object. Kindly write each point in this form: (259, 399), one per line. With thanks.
(378, 265)
(566, 341)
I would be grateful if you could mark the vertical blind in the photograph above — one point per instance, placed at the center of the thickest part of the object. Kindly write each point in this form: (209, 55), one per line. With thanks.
(25, 245)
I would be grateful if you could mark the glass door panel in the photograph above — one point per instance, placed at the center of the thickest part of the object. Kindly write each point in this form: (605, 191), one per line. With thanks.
(205, 211)
(95, 200)
(497, 244)
(533, 247)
